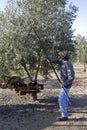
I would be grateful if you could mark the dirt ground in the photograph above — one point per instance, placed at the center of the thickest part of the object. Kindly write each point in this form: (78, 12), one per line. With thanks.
(22, 113)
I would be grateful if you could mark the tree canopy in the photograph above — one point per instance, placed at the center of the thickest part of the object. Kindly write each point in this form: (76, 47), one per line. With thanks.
(52, 19)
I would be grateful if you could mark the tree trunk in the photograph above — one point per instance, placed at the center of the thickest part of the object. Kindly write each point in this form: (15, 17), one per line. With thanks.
(38, 66)
(84, 67)
(25, 67)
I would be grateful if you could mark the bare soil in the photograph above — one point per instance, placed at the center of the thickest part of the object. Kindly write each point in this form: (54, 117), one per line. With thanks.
(22, 113)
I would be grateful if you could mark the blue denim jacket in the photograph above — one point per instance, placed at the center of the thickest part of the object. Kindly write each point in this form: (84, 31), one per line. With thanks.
(67, 72)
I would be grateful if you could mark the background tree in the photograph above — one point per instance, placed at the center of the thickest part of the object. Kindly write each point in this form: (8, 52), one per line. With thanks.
(81, 49)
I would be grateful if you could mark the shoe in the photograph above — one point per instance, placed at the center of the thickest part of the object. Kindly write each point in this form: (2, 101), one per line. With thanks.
(62, 119)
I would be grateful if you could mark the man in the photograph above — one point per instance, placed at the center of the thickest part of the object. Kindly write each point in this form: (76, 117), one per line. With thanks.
(67, 77)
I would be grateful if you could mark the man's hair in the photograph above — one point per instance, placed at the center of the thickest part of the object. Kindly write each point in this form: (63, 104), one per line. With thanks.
(64, 54)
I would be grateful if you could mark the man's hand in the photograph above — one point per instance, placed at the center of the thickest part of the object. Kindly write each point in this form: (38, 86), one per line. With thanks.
(60, 85)
(49, 59)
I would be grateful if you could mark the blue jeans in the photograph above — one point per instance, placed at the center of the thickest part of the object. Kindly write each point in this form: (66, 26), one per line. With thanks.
(63, 101)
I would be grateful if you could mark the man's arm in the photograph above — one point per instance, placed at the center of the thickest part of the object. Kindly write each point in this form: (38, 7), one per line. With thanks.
(56, 61)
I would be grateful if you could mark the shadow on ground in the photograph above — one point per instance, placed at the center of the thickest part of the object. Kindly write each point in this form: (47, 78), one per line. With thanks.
(40, 115)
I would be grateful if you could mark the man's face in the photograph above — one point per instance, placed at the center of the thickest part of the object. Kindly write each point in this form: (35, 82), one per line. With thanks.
(60, 57)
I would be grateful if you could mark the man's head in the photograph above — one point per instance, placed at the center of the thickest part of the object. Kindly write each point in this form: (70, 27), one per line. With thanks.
(63, 55)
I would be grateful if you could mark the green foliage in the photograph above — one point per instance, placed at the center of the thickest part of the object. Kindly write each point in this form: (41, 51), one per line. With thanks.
(53, 23)
(81, 48)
